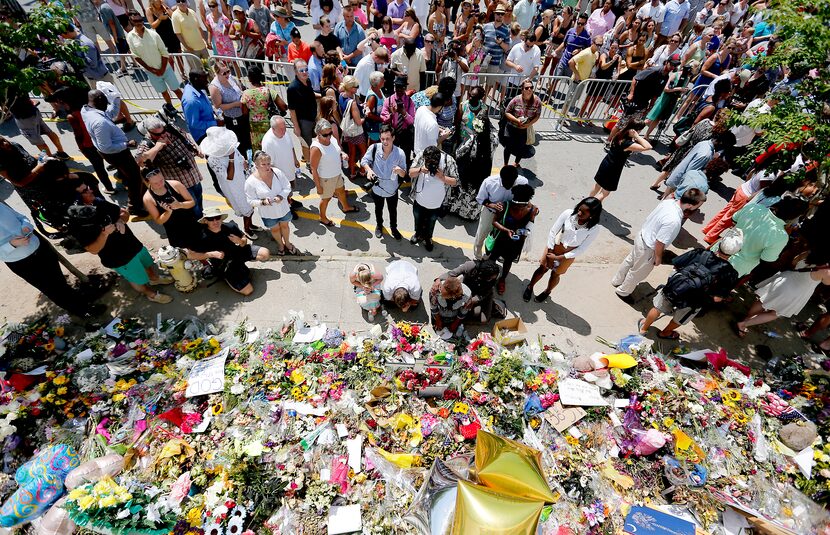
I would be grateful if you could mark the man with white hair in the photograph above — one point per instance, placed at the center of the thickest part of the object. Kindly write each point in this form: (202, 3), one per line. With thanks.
(702, 277)
(277, 143)
(377, 61)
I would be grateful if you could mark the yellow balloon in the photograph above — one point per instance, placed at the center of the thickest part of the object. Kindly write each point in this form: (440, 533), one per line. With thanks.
(620, 360)
(511, 468)
(479, 510)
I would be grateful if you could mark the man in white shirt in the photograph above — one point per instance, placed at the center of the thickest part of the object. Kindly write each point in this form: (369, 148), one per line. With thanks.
(427, 131)
(601, 20)
(277, 143)
(659, 230)
(492, 193)
(524, 59)
(653, 10)
(432, 173)
(401, 285)
(377, 61)
(523, 12)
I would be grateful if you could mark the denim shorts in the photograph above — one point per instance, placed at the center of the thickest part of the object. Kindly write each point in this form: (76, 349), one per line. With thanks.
(271, 222)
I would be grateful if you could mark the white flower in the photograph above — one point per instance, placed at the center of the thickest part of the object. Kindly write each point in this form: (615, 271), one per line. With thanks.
(237, 389)
(221, 510)
(122, 514)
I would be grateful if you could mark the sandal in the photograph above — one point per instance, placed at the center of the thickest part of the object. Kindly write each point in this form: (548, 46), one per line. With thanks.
(293, 251)
(673, 336)
(741, 333)
(654, 188)
(280, 252)
(328, 223)
(353, 210)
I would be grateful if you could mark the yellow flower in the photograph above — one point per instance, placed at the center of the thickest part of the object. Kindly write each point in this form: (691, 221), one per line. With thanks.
(109, 501)
(86, 502)
(460, 408)
(78, 493)
(571, 440)
(50, 375)
(62, 391)
(214, 343)
(217, 409)
(297, 377)
(118, 397)
(668, 422)
(61, 380)
(49, 346)
(58, 331)
(194, 517)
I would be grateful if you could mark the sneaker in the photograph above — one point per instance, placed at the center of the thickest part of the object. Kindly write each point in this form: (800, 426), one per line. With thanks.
(428, 245)
(160, 298)
(414, 239)
(60, 155)
(169, 109)
(257, 228)
(162, 280)
(379, 232)
(395, 234)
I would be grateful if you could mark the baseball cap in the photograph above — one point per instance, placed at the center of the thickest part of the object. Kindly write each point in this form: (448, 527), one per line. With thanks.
(675, 59)
(744, 75)
(237, 7)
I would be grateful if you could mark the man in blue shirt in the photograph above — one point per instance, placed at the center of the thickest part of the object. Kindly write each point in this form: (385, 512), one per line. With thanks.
(37, 264)
(198, 110)
(350, 35)
(113, 146)
(576, 39)
(496, 41)
(315, 65)
(385, 165)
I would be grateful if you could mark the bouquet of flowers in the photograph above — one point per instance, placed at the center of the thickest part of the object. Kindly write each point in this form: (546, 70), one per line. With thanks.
(113, 509)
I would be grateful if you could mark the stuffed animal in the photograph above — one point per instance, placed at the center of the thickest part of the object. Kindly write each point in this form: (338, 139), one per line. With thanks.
(40, 483)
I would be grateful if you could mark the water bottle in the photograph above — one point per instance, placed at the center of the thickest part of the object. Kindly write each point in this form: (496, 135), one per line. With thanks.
(297, 173)
(42, 156)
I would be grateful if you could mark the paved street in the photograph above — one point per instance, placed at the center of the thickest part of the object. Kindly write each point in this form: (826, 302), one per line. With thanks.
(582, 308)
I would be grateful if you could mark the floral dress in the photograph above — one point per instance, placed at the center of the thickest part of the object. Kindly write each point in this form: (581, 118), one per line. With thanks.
(224, 45)
(475, 60)
(256, 99)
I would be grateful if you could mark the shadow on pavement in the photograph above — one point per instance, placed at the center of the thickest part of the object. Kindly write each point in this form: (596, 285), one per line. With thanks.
(616, 226)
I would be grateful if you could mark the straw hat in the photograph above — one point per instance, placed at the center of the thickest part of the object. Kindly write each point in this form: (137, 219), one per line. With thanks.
(212, 211)
(219, 142)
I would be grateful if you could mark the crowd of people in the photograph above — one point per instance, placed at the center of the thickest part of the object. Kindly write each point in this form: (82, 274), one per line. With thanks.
(392, 91)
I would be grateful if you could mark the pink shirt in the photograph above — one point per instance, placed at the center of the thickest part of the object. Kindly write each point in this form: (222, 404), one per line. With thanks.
(598, 23)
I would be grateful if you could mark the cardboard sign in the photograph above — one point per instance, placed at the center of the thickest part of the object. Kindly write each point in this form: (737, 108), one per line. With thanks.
(562, 418)
(576, 392)
(344, 519)
(207, 376)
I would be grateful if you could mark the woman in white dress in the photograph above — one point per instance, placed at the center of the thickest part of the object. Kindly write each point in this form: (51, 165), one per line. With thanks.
(268, 188)
(784, 294)
(226, 162)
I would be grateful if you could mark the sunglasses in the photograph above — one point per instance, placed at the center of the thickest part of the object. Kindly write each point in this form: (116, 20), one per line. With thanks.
(527, 89)
(214, 218)
(152, 173)
(137, 21)
(156, 134)
(429, 41)
(325, 134)
(225, 73)
(303, 69)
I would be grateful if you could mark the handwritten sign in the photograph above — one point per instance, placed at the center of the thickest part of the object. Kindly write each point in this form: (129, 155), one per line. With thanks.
(646, 520)
(562, 418)
(207, 376)
(576, 392)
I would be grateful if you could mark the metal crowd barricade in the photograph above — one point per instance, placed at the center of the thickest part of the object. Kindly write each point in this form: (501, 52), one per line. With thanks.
(136, 85)
(278, 74)
(593, 100)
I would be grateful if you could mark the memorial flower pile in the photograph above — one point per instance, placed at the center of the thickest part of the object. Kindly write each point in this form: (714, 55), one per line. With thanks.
(247, 432)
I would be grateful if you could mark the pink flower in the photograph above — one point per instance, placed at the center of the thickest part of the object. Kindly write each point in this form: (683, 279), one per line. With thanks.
(180, 489)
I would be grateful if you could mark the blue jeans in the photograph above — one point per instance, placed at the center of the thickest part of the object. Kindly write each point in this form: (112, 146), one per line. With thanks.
(196, 193)
(425, 219)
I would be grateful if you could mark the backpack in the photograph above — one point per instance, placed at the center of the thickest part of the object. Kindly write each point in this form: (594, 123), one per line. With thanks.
(688, 286)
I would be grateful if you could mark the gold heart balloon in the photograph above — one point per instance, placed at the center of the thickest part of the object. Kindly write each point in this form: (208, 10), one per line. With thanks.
(481, 510)
(510, 467)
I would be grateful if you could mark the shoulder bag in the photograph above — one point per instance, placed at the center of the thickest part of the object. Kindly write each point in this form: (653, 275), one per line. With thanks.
(348, 127)
(490, 240)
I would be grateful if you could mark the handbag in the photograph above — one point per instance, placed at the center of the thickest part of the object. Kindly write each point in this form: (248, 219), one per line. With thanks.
(348, 126)
(490, 240)
(274, 107)
(252, 48)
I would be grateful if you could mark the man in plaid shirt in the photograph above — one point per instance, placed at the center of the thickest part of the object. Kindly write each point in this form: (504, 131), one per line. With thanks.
(168, 148)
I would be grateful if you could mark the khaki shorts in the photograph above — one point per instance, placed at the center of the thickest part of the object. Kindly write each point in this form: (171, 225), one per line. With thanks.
(330, 185)
(681, 316)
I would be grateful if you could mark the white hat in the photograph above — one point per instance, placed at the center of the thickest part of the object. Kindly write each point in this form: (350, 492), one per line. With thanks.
(219, 142)
(731, 241)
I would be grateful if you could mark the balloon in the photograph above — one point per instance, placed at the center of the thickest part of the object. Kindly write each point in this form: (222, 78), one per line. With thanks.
(106, 466)
(510, 467)
(41, 484)
(56, 521)
(481, 510)
(432, 509)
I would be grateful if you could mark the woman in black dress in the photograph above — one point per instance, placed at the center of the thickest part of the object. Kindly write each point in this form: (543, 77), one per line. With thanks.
(511, 227)
(170, 205)
(626, 141)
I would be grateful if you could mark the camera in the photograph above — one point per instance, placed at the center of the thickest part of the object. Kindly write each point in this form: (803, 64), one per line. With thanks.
(432, 166)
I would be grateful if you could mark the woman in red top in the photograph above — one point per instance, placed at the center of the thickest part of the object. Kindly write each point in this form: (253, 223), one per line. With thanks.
(297, 48)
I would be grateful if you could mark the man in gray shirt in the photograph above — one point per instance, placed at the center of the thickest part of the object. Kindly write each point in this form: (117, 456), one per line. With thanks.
(385, 165)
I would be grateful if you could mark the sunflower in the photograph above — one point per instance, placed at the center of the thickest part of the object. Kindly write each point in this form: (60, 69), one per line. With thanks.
(217, 408)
